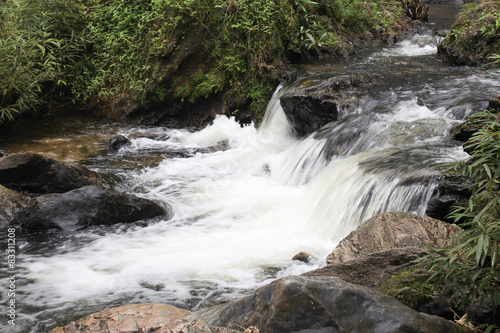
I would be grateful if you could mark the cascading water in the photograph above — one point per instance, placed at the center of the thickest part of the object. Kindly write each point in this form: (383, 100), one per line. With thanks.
(245, 201)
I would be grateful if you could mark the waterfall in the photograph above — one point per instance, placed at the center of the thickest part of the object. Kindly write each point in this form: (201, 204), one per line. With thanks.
(246, 200)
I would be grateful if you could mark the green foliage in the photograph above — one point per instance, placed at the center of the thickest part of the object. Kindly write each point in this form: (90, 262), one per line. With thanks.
(116, 66)
(40, 45)
(107, 52)
(472, 264)
(360, 16)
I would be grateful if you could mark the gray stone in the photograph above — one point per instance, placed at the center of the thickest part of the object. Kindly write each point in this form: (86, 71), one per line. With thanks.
(323, 304)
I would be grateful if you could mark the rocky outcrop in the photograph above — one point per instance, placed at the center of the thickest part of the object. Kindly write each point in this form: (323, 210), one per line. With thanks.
(474, 35)
(310, 105)
(37, 174)
(392, 230)
(322, 304)
(141, 318)
(85, 207)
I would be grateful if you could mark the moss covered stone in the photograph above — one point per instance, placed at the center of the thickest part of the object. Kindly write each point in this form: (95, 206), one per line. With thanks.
(411, 287)
(475, 36)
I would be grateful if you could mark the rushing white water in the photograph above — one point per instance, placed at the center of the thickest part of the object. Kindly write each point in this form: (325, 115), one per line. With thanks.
(245, 201)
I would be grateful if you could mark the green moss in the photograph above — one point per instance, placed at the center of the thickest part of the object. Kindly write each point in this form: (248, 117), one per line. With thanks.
(410, 287)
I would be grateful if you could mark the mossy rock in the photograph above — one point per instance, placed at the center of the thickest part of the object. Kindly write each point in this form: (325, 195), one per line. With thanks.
(411, 288)
(475, 35)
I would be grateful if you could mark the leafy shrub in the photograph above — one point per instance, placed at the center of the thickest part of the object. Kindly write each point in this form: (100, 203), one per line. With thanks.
(40, 44)
(472, 265)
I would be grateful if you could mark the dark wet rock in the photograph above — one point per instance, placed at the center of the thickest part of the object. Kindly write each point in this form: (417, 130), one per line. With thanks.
(322, 304)
(392, 230)
(494, 104)
(37, 174)
(452, 191)
(464, 131)
(11, 202)
(155, 317)
(119, 141)
(85, 207)
(312, 105)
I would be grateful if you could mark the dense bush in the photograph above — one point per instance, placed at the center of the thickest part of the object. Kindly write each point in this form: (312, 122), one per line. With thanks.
(108, 53)
(40, 44)
(471, 267)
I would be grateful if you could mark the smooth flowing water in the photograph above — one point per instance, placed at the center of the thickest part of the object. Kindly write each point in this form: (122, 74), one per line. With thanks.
(245, 200)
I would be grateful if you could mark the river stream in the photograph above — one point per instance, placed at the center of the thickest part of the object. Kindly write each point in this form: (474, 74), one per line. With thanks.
(245, 200)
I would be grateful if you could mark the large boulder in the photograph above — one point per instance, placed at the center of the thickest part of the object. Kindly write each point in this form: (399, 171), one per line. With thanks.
(141, 318)
(392, 230)
(311, 105)
(11, 202)
(84, 207)
(38, 174)
(322, 304)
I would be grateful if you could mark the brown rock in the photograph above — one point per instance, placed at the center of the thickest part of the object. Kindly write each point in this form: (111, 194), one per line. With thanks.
(11, 202)
(392, 230)
(141, 318)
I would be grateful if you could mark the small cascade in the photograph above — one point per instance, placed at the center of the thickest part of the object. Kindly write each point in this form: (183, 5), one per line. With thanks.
(246, 200)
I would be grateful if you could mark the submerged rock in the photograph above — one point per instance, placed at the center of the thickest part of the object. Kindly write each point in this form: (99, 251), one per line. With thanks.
(392, 230)
(323, 304)
(85, 207)
(119, 141)
(37, 174)
(155, 317)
